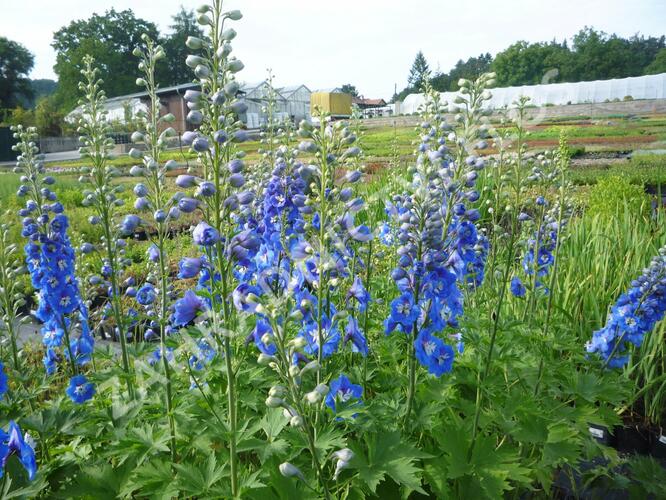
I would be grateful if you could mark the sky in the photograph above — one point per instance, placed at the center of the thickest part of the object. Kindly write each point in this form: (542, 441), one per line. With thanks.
(368, 43)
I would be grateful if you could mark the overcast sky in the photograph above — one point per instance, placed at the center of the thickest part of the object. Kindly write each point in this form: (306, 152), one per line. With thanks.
(369, 43)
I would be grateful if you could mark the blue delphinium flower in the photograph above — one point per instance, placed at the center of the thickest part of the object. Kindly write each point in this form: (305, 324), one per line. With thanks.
(14, 443)
(341, 390)
(634, 315)
(433, 353)
(403, 314)
(354, 335)
(205, 235)
(187, 308)
(517, 288)
(50, 259)
(440, 250)
(80, 390)
(153, 253)
(189, 267)
(261, 328)
(359, 294)
(3, 381)
(146, 295)
(203, 354)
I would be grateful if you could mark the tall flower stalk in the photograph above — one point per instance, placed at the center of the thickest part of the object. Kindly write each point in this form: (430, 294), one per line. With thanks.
(224, 237)
(50, 259)
(563, 215)
(103, 197)
(11, 296)
(440, 252)
(516, 186)
(153, 195)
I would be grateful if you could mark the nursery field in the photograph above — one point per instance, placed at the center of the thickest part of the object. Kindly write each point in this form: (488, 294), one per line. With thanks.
(466, 308)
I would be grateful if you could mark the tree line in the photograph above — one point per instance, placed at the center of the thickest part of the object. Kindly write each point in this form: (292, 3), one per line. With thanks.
(591, 55)
(110, 39)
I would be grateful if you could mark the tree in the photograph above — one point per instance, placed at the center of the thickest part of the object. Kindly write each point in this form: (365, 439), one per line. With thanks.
(602, 56)
(15, 64)
(110, 39)
(470, 70)
(658, 65)
(49, 120)
(184, 25)
(526, 63)
(419, 72)
(350, 89)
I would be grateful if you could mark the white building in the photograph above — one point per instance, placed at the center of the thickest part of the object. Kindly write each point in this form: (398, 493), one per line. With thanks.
(291, 102)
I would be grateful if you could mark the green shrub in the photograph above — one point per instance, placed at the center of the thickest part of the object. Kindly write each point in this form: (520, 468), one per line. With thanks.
(614, 195)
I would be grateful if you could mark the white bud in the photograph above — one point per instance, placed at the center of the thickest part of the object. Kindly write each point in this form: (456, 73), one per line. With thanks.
(273, 402)
(265, 359)
(313, 397)
(290, 470)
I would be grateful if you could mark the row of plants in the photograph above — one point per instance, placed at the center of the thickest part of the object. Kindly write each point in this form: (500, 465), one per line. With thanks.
(438, 328)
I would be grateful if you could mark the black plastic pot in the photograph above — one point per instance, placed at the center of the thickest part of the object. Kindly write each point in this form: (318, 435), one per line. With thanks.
(658, 448)
(632, 440)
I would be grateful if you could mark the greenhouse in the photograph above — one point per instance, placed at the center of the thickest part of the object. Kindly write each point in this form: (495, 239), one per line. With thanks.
(641, 87)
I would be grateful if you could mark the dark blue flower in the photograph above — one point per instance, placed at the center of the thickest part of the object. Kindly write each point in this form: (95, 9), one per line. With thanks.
(517, 287)
(240, 297)
(80, 390)
(341, 390)
(3, 381)
(187, 205)
(205, 235)
(403, 313)
(358, 292)
(206, 189)
(189, 267)
(130, 223)
(634, 315)
(262, 328)
(146, 295)
(433, 353)
(14, 443)
(354, 335)
(186, 308)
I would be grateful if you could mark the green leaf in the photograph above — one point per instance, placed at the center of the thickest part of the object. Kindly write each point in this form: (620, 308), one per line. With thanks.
(154, 479)
(388, 455)
(100, 480)
(199, 479)
(140, 443)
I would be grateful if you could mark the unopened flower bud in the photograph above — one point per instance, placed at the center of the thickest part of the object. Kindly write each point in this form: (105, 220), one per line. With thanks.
(290, 470)
(273, 402)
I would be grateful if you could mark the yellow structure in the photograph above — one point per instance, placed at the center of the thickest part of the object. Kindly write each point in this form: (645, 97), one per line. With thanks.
(333, 103)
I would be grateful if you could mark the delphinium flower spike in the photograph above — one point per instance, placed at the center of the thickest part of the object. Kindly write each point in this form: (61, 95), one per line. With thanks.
(225, 236)
(50, 260)
(441, 252)
(103, 198)
(634, 315)
(152, 195)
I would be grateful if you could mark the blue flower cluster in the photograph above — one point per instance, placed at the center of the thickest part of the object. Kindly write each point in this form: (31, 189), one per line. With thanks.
(14, 443)
(633, 315)
(50, 260)
(440, 250)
